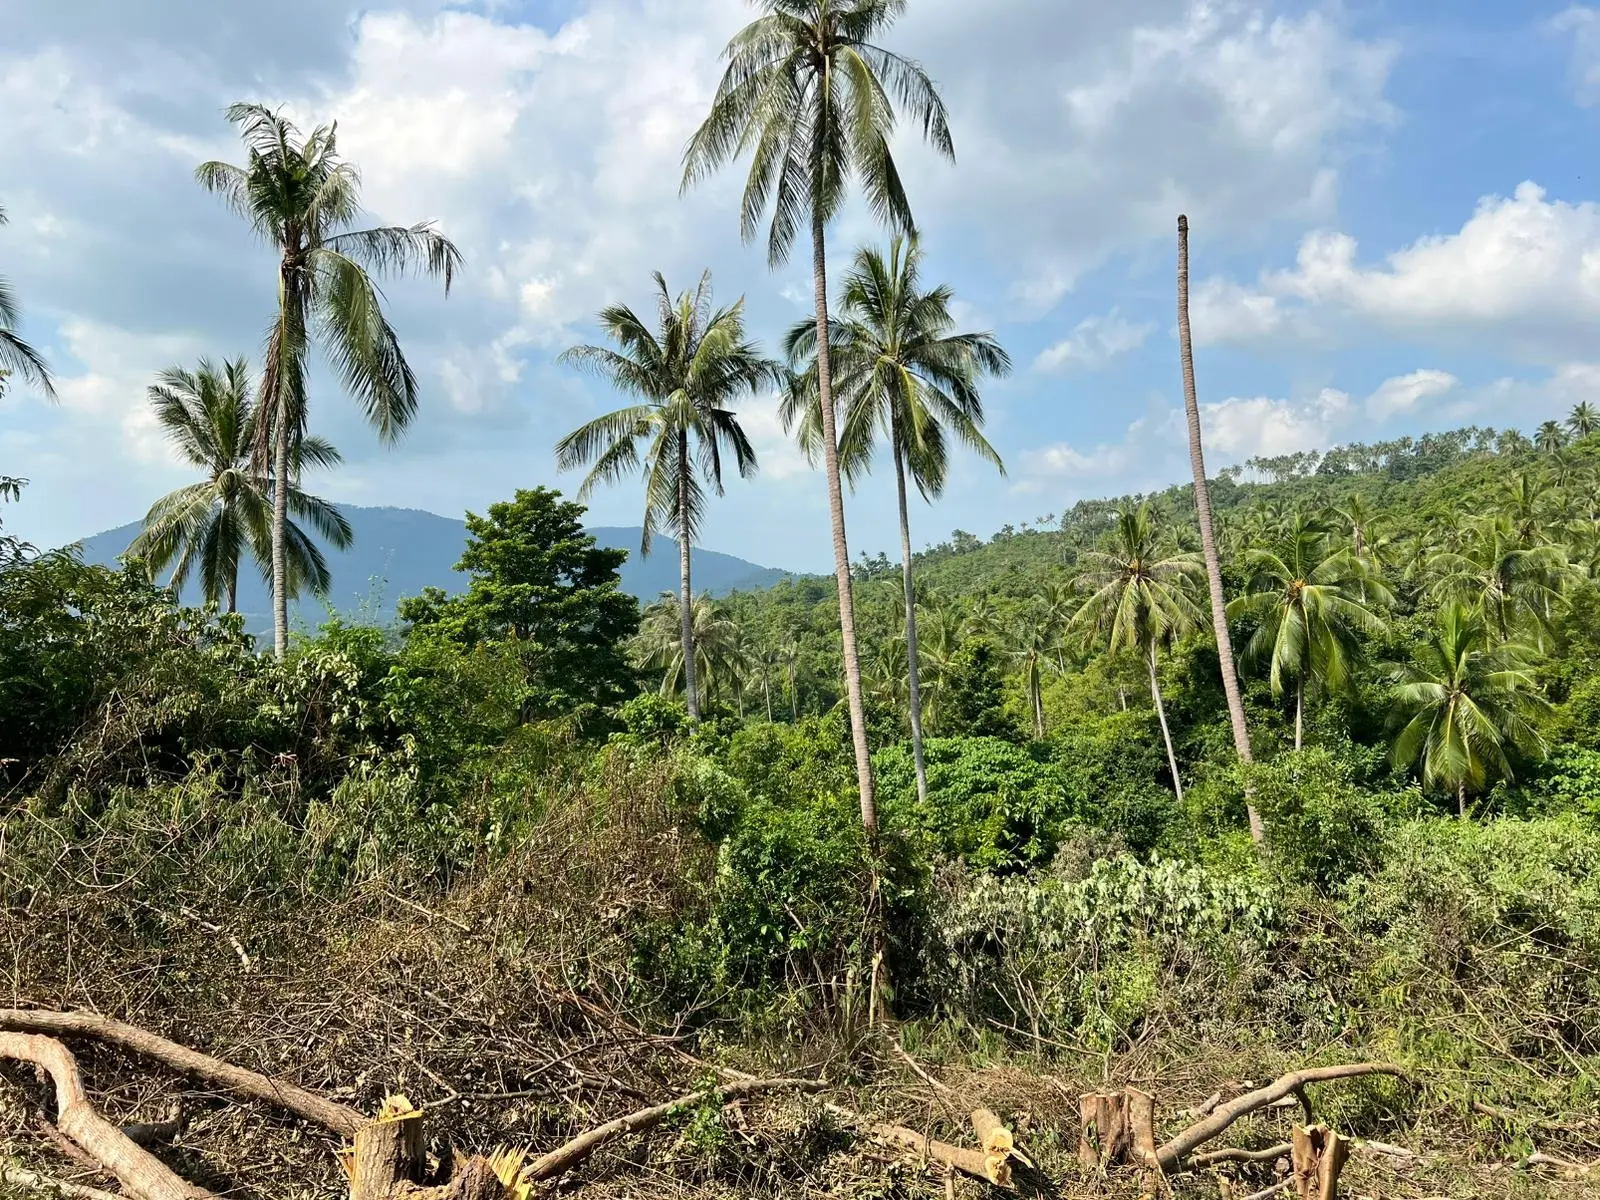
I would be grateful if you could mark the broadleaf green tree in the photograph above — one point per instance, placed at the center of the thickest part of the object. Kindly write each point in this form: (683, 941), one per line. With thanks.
(301, 198)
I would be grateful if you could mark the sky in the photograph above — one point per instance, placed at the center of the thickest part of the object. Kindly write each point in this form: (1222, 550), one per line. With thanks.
(1394, 208)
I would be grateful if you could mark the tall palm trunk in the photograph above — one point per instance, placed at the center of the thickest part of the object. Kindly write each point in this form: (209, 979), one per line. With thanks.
(233, 591)
(841, 549)
(913, 667)
(1299, 713)
(766, 689)
(1036, 696)
(1208, 537)
(685, 593)
(1461, 801)
(280, 523)
(1161, 714)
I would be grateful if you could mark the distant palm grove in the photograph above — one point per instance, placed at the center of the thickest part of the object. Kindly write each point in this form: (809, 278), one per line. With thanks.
(1296, 762)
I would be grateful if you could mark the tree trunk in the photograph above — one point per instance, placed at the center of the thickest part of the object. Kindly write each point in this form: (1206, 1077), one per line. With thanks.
(1461, 801)
(1208, 538)
(691, 695)
(794, 694)
(1036, 695)
(233, 591)
(766, 689)
(913, 666)
(280, 522)
(1166, 734)
(1299, 713)
(841, 549)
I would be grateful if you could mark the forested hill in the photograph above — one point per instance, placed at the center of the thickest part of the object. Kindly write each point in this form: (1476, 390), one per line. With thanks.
(1406, 486)
(400, 551)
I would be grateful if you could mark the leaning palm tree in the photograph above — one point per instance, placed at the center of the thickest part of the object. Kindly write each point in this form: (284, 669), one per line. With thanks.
(211, 421)
(1309, 598)
(901, 371)
(811, 97)
(1138, 599)
(17, 357)
(1583, 420)
(1466, 701)
(1208, 539)
(685, 375)
(301, 198)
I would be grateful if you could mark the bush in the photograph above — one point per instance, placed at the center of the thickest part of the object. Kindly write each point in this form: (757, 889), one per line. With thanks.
(990, 803)
(1321, 829)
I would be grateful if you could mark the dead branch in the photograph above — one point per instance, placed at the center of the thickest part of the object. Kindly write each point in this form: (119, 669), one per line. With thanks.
(1172, 1154)
(24, 1178)
(917, 1069)
(339, 1118)
(155, 1133)
(141, 1174)
(1233, 1155)
(958, 1158)
(565, 1157)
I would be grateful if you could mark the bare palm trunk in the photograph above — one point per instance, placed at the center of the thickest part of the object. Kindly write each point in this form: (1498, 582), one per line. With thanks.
(1166, 734)
(1208, 539)
(913, 667)
(1036, 695)
(280, 523)
(841, 549)
(794, 694)
(766, 689)
(1299, 713)
(691, 694)
(1461, 801)
(233, 591)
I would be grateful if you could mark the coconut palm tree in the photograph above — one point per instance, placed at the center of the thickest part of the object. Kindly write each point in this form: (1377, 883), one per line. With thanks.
(685, 373)
(812, 97)
(718, 649)
(900, 370)
(211, 421)
(1138, 600)
(1208, 539)
(1465, 702)
(1583, 420)
(1036, 646)
(301, 198)
(1507, 581)
(1525, 500)
(1549, 437)
(17, 357)
(1309, 598)
(791, 652)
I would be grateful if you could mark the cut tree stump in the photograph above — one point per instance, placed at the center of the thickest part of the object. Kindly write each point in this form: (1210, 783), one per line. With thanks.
(1104, 1137)
(1317, 1155)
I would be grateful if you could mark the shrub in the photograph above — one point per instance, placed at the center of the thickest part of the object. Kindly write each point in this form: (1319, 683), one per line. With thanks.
(990, 803)
(1321, 828)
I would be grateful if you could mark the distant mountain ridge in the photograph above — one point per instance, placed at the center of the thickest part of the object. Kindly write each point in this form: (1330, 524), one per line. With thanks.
(399, 551)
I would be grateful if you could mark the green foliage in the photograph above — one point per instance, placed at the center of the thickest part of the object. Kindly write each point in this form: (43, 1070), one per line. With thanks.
(540, 580)
(990, 803)
(1322, 829)
(974, 686)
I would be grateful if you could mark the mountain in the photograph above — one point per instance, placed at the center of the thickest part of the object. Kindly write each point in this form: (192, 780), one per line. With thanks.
(399, 551)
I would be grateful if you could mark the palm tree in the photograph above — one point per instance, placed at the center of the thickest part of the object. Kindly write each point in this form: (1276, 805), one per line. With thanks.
(685, 375)
(1037, 643)
(1309, 598)
(1549, 437)
(791, 652)
(17, 357)
(719, 651)
(1506, 580)
(811, 97)
(1465, 702)
(1525, 501)
(1137, 599)
(1583, 420)
(211, 421)
(902, 371)
(300, 198)
(1208, 539)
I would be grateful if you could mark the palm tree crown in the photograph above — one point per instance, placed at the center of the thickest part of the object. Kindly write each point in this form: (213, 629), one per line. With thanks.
(1583, 420)
(301, 197)
(17, 357)
(1310, 598)
(1467, 701)
(211, 420)
(685, 373)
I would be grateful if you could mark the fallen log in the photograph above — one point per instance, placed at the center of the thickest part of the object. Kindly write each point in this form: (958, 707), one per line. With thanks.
(23, 1178)
(998, 1146)
(141, 1174)
(1172, 1154)
(339, 1118)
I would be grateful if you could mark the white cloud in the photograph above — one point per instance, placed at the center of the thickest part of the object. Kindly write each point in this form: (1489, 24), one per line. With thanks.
(1241, 428)
(776, 452)
(1522, 275)
(1405, 393)
(1093, 343)
(107, 397)
(1582, 23)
